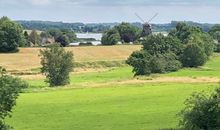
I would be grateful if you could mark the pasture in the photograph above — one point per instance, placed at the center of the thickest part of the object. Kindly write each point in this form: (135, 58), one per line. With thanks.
(109, 98)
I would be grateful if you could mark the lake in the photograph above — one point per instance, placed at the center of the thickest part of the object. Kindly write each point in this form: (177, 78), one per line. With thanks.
(96, 36)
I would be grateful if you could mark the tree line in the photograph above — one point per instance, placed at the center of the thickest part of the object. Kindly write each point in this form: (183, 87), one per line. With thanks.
(101, 27)
(12, 36)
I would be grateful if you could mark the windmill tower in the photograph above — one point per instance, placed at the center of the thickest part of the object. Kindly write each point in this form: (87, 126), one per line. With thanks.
(147, 30)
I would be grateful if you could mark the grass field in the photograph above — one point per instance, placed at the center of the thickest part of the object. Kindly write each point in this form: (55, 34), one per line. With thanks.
(28, 58)
(112, 99)
(123, 107)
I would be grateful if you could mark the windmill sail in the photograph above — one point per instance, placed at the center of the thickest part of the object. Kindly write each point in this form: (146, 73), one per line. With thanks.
(146, 25)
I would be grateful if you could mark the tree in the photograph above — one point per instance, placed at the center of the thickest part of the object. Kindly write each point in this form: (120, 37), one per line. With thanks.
(10, 87)
(11, 35)
(63, 36)
(203, 40)
(27, 39)
(201, 112)
(70, 34)
(128, 32)
(34, 37)
(63, 40)
(111, 37)
(214, 29)
(159, 44)
(183, 31)
(56, 65)
(193, 56)
(215, 33)
(54, 33)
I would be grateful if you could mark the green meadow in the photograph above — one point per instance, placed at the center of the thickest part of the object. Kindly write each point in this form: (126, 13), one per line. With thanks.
(110, 100)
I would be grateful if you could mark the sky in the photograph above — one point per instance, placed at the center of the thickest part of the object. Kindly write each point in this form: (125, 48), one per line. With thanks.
(103, 11)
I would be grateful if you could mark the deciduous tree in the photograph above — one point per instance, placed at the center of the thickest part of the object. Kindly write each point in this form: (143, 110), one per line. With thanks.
(56, 65)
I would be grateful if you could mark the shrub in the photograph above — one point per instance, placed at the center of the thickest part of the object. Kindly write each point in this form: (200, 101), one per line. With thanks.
(144, 63)
(10, 88)
(57, 64)
(139, 60)
(202, 112)
(193, 56)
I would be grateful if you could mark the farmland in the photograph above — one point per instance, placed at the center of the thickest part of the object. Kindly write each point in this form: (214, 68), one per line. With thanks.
(106, 98)
(28, 58)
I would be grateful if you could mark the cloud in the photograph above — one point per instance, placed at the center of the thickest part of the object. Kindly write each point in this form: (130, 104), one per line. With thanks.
(111, 2)
(39, 2)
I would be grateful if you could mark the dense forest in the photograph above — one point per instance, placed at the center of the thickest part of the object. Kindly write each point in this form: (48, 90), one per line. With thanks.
(101, 27)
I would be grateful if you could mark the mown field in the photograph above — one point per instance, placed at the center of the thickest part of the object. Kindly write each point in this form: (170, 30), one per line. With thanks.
(111, 99)
(28, 58)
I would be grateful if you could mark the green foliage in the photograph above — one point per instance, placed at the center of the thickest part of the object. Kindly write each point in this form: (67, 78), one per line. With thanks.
(215, 33)
(193, 56)
(204, 41)
(11, 35)
(63, 36)
(169, 53)
(10, 88)
(159, 55)
(111, 37)
(57, 64)
(139, 60)
(54, 32)
(214, 29)
(128, 32)
(144, 63)
(70, 34)
(202, 112)
(159, 44)
(27, 39)
(63, 40)
(184, 31)
(191, 34)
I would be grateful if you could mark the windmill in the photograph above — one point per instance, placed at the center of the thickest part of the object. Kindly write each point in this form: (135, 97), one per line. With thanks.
(146, 25)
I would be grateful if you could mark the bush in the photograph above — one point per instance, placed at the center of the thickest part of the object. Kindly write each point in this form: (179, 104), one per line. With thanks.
(202, 112)
(10, 88)
(144, 63)
(193, 56)
(57, 64)
(172, 62)
(139, 60)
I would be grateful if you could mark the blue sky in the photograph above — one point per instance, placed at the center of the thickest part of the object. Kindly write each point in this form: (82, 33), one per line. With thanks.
(88, 11)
